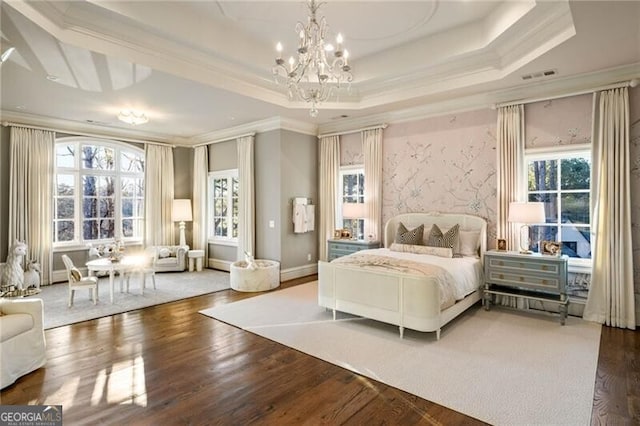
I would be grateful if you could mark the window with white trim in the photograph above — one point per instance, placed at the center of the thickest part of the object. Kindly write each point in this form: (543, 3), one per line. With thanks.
(98, 193)
(223, 207)
(562, 181)
(351, 191)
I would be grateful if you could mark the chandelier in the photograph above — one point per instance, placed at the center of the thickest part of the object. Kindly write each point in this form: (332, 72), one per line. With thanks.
(313, 77)
(133, 117)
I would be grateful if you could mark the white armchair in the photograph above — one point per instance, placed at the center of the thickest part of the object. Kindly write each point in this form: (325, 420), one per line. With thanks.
(170, 258)
(22, 342)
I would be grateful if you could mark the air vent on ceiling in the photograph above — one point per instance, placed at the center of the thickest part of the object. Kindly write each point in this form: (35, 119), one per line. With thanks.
(540, 74)
(338, 117)
(100, 123)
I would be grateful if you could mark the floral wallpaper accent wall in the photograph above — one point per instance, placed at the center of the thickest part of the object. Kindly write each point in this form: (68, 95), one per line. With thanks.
(445, 164)
(351, 150)
(564, 121)
(634, 163)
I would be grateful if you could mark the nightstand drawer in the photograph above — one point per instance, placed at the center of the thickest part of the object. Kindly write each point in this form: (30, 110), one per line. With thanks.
(339, 248)
(346, 247)
(524, 267)
(534, 282)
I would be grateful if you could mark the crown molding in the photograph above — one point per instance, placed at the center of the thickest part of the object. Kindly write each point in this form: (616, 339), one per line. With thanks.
(266, 125)
(551, 88)
(76, 127)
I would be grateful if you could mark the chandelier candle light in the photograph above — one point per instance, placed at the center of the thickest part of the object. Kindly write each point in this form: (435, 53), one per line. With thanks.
(311, 77)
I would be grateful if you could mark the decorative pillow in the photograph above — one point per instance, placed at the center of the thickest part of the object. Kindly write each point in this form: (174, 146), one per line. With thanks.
(164, 252)
(448, 239)
(469, 243)
(404, 236)
(75, 273)
(411, 248)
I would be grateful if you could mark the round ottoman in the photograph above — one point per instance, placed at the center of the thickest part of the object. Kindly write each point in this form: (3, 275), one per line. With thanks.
(265, 276)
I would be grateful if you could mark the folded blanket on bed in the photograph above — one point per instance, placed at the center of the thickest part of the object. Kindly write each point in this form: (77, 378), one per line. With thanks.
(441, 276)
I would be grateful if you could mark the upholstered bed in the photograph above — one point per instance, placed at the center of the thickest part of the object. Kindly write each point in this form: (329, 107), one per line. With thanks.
(406, 299)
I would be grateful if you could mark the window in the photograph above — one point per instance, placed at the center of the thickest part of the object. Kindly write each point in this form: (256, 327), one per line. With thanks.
(99, 192)
(223, 207)
(562, 182)
(352, 191)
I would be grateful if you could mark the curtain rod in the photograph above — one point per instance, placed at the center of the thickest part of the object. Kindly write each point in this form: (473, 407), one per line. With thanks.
(93, 135)
(628, 83)
(230, 138)
(347, 132)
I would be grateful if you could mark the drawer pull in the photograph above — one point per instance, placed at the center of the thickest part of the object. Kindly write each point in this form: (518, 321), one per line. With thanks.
(500, 263)
(544, 282)
(544, 267)
(501, 276)
(521, 279)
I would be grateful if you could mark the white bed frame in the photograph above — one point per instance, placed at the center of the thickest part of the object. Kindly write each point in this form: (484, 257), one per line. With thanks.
(405, 300)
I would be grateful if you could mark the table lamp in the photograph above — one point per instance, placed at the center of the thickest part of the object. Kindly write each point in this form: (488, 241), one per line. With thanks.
(354, 211)
(526, 213)
(181, 212)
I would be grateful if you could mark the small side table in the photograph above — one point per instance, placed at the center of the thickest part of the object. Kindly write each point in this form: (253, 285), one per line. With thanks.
(195, 256)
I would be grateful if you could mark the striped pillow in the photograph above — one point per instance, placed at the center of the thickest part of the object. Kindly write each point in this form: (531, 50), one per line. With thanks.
(448, 239)
(404, 236)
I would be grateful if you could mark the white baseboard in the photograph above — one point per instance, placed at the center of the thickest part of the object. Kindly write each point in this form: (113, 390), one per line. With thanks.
(298, 271)
(223, 265)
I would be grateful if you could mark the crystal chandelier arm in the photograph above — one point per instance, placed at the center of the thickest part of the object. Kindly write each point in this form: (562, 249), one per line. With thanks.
(312, 77)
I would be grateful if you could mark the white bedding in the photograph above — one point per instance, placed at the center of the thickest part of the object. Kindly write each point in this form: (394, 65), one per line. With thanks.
(466, 271)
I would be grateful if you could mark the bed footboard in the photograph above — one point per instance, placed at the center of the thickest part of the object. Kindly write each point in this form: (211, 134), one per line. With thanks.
(405, 300)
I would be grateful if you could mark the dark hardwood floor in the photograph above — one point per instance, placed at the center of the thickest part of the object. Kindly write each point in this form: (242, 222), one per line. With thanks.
(168, 365)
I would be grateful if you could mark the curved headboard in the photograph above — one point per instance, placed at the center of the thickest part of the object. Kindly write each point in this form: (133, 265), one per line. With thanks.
(443, 220)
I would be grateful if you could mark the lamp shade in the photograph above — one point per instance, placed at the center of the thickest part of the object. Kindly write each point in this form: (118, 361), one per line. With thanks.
(353, 211)
(181, 211)
(526, 212)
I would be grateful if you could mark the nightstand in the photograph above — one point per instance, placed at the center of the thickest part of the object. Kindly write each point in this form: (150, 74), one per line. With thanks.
(529, 276)
(339, 248)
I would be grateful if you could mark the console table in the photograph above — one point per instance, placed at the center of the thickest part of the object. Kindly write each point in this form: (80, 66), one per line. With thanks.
(529, 276)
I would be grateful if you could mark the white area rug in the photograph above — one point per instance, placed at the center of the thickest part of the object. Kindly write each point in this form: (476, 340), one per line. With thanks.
(502, 367)
(170, 286)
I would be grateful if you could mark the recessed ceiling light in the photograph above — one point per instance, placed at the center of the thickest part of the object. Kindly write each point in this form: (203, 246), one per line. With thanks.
(133, 117)
(52, 78)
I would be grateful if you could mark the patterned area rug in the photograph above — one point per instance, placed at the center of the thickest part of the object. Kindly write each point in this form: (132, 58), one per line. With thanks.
(170, 286)
(503, 367)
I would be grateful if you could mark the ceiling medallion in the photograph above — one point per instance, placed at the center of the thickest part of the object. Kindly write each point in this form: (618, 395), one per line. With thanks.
(311, 77)
(133, 117)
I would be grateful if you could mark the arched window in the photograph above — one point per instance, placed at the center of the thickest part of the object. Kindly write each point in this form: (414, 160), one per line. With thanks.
(99, 191)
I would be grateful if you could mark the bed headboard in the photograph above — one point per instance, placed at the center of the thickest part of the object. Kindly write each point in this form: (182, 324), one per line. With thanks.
(443, 220)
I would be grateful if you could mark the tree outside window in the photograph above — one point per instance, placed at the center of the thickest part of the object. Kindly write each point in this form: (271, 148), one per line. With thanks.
(223, 201)
(352, 185)
(562, 182)
(99, 194)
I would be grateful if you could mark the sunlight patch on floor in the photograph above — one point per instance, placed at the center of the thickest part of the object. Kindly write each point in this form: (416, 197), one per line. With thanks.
(123, 383)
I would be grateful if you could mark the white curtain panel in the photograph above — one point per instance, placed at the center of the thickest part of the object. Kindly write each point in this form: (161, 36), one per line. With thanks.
(30, 193)
(200, 178)
(372, 148)
(158, 195)
(611, 298)
(246, 197)
(510, 151)
(328, 188)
